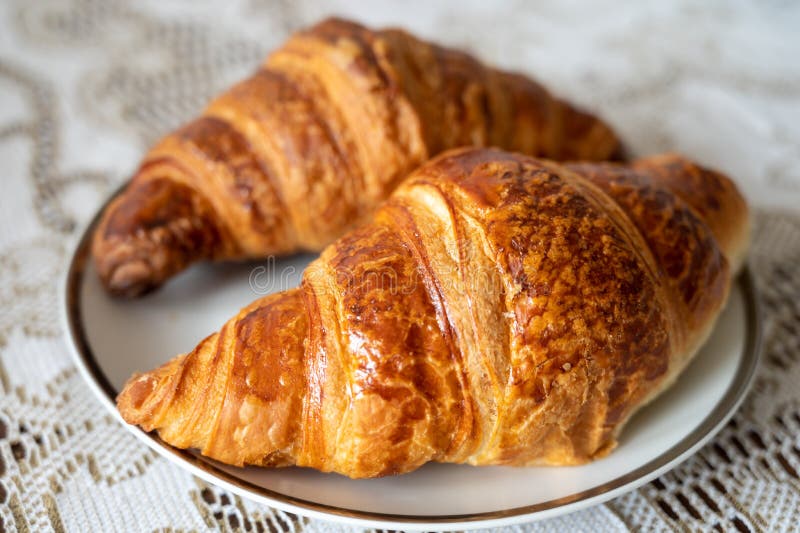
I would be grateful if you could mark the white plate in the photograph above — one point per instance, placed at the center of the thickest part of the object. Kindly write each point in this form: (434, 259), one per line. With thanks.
(113, 338)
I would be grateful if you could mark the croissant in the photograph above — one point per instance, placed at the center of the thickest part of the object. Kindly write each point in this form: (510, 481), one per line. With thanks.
(308, 146)
(497, 310)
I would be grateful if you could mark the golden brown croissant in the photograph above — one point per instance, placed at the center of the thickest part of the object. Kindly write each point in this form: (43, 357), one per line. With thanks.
(308, 146)
(498, 309)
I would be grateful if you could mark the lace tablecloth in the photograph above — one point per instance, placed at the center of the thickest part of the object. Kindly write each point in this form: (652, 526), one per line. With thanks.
(86, 85)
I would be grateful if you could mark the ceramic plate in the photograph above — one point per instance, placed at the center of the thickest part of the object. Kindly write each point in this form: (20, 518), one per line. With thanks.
(114, 338)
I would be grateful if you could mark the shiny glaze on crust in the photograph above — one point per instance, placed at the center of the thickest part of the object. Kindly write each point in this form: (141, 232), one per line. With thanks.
(682, 243)
(580, 296)
(290, 126)
(711, 195)
(504, 109)
(244, 179)
(247, 415)
(404, 396)
(498, 309)
(310, 144)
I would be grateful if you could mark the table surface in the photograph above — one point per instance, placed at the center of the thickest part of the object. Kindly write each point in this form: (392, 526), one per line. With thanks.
(87, 85)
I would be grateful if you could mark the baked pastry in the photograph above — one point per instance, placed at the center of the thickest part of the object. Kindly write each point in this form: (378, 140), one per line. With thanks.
(497, 310)
(310, 144)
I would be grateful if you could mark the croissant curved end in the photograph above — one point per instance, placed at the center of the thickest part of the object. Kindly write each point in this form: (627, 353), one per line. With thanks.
(154, 230)
(145, 393)
(130, 268)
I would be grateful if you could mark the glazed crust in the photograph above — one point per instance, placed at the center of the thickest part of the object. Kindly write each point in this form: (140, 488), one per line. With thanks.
(498, 309)
(310, 144)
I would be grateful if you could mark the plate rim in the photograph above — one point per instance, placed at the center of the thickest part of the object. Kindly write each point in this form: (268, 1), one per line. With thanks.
(712, 423)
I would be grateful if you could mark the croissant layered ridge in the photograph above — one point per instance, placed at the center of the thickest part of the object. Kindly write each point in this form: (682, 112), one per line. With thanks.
(496, 310)
(308, 146)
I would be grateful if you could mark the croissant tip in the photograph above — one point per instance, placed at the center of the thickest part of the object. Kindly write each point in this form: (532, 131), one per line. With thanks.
(130, 267)
(144, 395)
(129, 280)
(154, 230)
(132, 401)
(132, 279)
(121, 266)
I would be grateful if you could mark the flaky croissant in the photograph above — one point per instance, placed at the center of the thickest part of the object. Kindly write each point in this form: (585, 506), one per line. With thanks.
(498, 309)
(308, 146)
